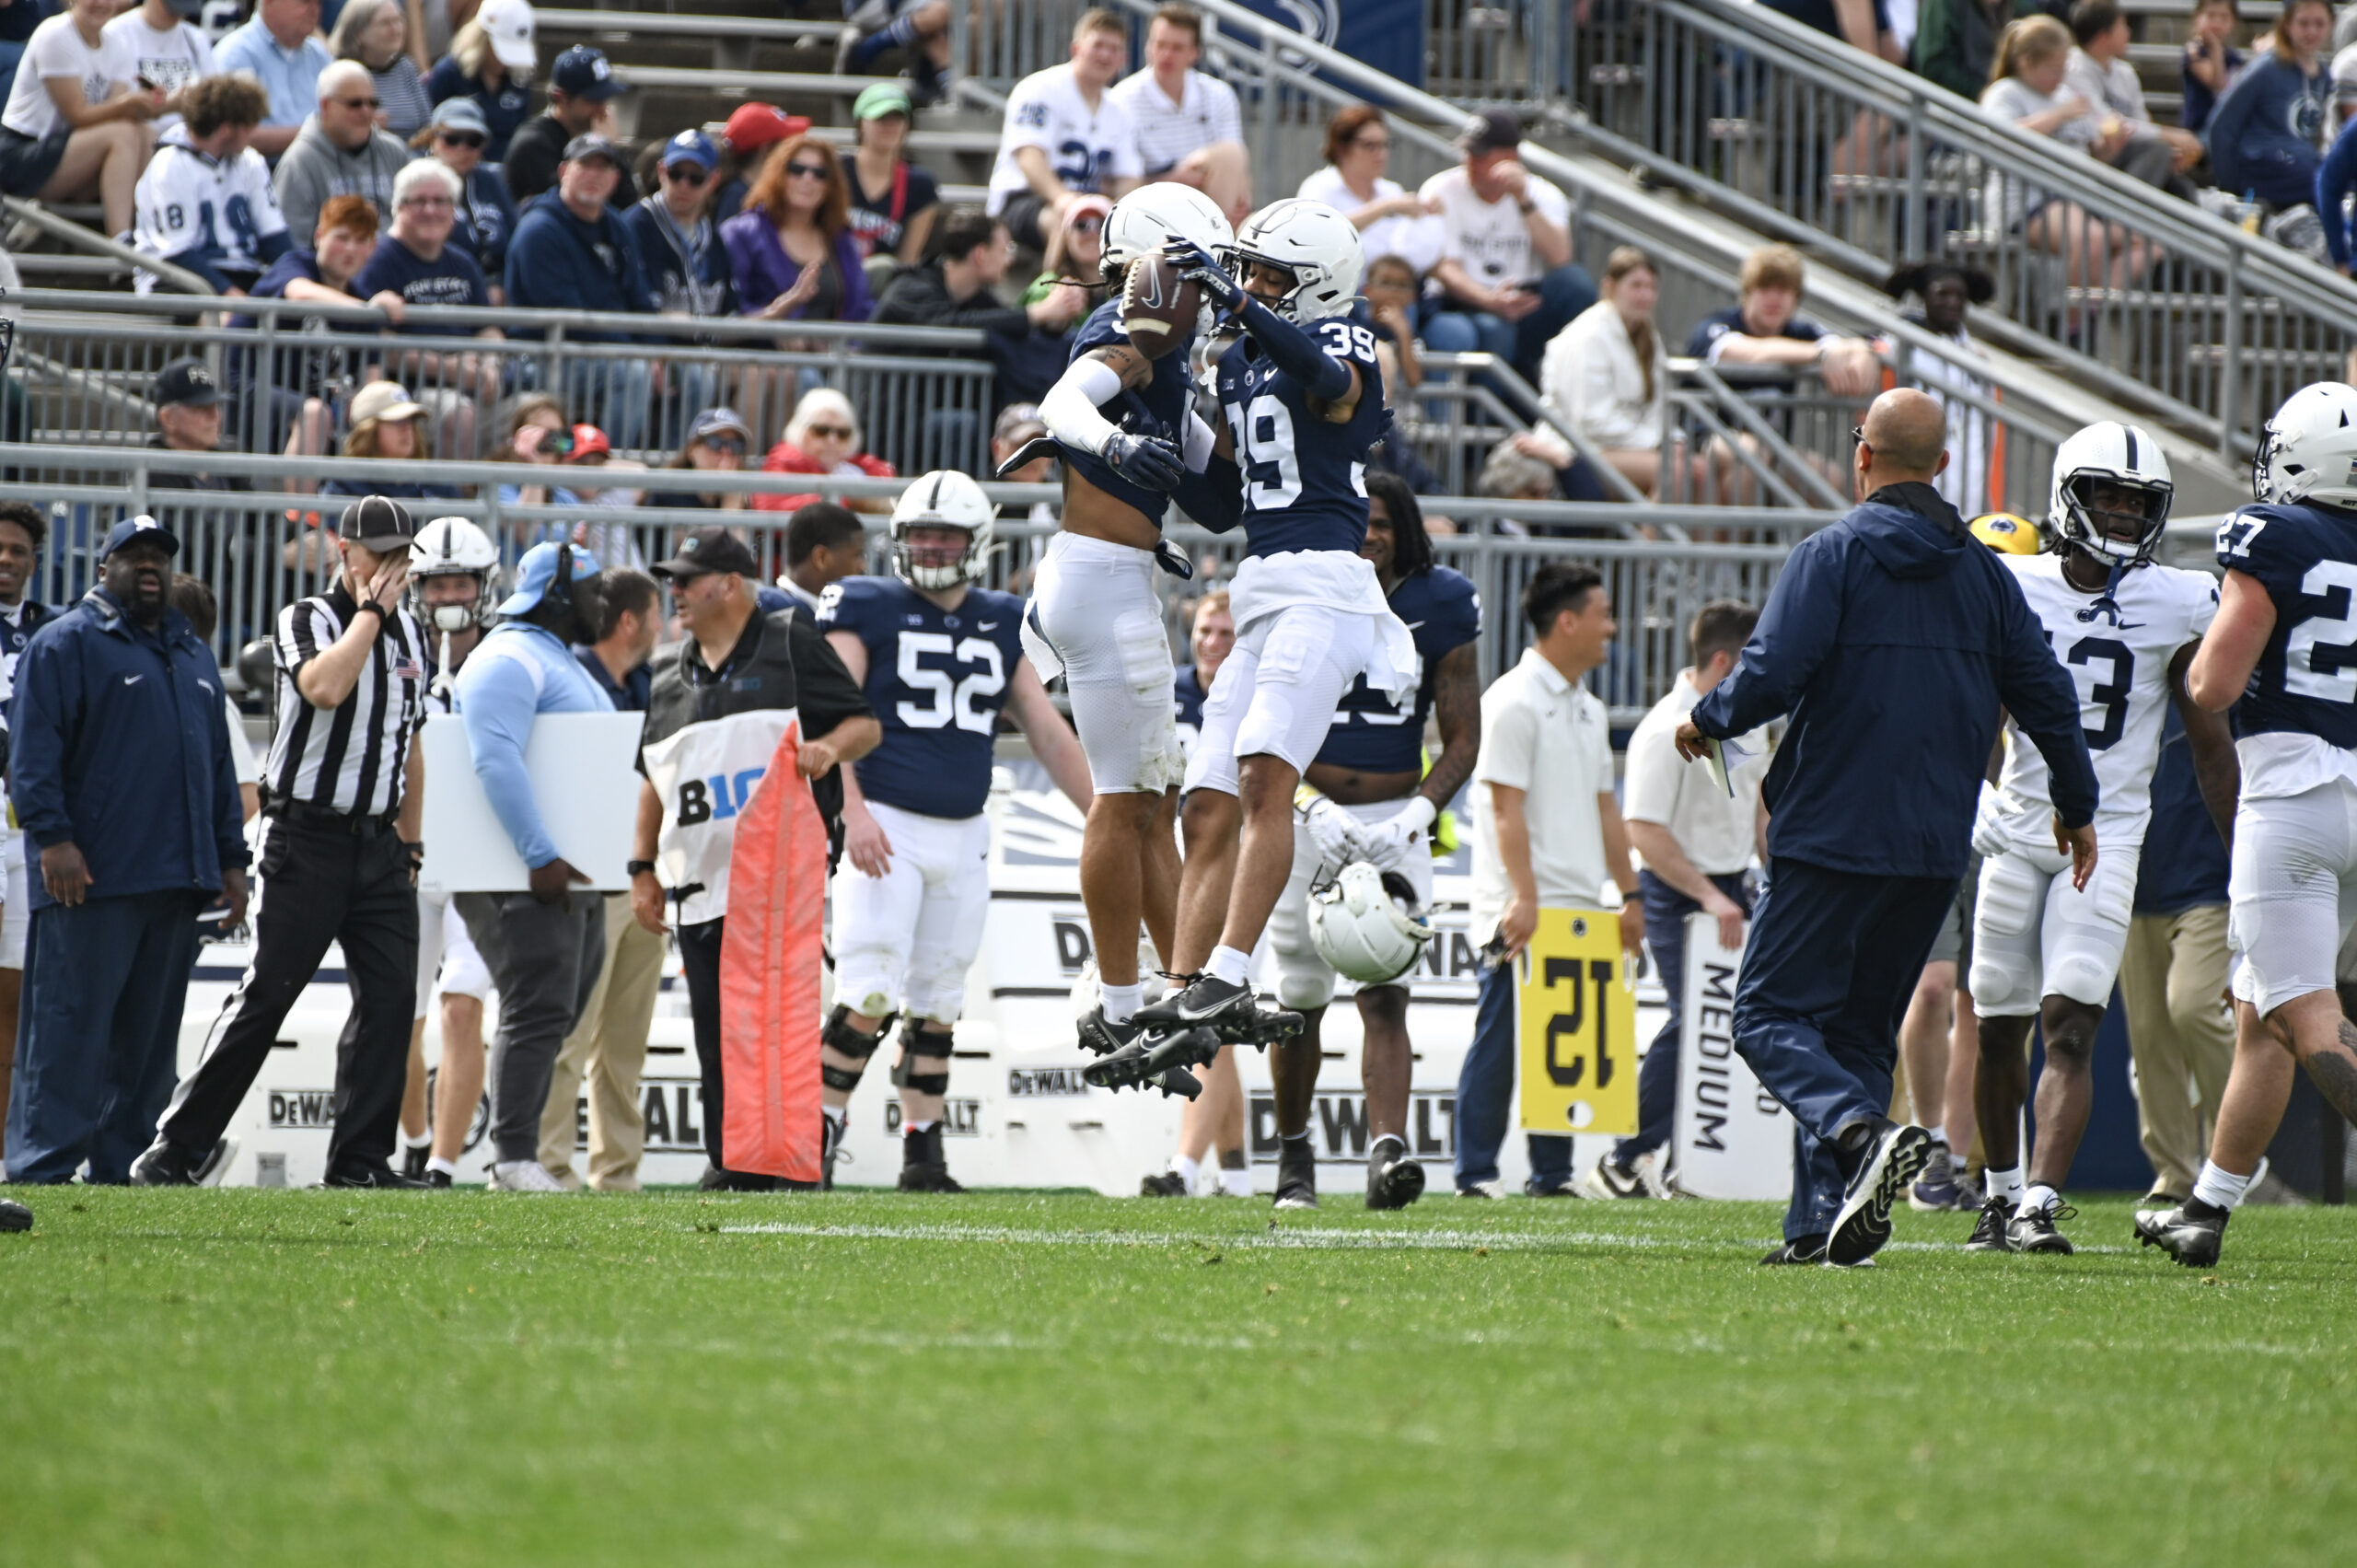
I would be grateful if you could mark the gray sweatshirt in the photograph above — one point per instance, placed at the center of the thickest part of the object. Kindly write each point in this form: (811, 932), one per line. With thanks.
(314, 169)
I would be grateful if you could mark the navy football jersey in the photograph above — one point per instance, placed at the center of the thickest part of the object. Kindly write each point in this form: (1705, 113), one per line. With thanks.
(1443, 610)
(1305, 479)
(1187, 708)
(1157, 408)
(2307, 559)
(936, 679)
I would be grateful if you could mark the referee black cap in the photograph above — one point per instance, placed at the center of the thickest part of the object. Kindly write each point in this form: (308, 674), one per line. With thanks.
(708, 550)
(377, 523)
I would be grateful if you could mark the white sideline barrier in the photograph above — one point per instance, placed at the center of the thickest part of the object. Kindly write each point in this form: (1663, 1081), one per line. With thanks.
(1018, 1114)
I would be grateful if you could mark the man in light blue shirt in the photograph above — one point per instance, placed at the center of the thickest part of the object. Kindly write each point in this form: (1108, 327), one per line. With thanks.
(281, 46)
(544, 946)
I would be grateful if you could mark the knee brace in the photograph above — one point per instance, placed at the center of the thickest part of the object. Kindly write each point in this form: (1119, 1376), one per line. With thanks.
(838, 1034)
(932, 1045)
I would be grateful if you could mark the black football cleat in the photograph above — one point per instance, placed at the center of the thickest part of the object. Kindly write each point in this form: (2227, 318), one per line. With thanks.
(924, 1168)
(1099, 1035)
(437, 1181)
(2193, 1240)
(413, 1160)
(1168, 1184)
(1393, 1180)
(382, 1178)
(1889, 1160)
(1232, 1013)
(830, 1147)
(164, 1163)
(1992, 1231)
(1149, 1059)
(1296, 1174)
(15, 1216)
(2032, 1230)
(1805, 1250)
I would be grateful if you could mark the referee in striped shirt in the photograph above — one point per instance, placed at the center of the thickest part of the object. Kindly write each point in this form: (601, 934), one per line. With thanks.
(343, 793)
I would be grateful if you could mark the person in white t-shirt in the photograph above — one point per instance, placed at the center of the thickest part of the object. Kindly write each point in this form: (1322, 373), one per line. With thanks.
(172, 51)
(76, 125)
(1508, 282)
(205, 203)
(1391, 220)
(1698, 841)
(1189, 128)
(1065, 136)
(1547, 834)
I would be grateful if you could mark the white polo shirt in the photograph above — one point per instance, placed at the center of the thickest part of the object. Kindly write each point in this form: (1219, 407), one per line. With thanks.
(1714, 829)
(1167, 132)
(1550, 738)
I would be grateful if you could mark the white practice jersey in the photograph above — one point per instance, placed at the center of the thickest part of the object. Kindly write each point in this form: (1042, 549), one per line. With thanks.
(1087, 147)
(2121, 666)
(213, 210)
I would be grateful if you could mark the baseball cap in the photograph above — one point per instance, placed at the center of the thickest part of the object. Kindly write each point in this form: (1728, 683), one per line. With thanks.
(712, 421)
(141, 527)
(1017, 423)
(691, 147)
(508, 25)
(383, 400)
(1488, 131)
(582, 72)
(185, 381)
(757, 125)
(377, 523)
(460, 114)
(589, 143)
(537, 570)
(589, 441)
(707, 550)
(883, 97)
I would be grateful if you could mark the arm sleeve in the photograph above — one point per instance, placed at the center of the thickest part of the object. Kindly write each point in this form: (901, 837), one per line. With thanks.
(498, 704)
(1215, 497)
(42, 711)
(1322, 369)
(2045, 704)
(1795, 632)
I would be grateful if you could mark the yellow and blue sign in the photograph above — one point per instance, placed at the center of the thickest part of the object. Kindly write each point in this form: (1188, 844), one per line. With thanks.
(1577, 1023)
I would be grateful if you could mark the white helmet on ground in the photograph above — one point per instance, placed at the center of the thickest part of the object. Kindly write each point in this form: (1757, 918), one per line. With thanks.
(2119, 457)
(1317, 244)
(448, 547)
(2308, 451)
(1142, 222)
(942, 499)
(1367, 924)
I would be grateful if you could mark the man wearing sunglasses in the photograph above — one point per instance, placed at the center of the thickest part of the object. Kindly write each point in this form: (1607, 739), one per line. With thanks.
(340, 151)
(486, 215)
(687, 267)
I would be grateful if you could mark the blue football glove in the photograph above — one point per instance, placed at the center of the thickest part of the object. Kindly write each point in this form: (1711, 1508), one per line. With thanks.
(1173, 560)
(1200, 267)
(1146, 462)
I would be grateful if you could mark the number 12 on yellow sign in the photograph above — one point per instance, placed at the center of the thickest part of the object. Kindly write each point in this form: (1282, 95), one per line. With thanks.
(1577, 1021)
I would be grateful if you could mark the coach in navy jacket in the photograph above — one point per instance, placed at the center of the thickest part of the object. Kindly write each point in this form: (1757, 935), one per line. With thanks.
(1894, 640)
(121, 775)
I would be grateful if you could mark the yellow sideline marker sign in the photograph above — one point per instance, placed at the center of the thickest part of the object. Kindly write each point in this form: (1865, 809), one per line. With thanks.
(1577, 1022)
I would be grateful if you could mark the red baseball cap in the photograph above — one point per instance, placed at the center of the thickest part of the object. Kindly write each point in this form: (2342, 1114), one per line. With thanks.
(589, 441)
(759, 124)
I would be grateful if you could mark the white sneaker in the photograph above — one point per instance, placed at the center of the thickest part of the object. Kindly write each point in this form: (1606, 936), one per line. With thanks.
(523, 1176)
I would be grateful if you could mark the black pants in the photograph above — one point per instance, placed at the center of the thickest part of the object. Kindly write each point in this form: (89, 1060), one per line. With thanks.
(544, 960)
(320, 884)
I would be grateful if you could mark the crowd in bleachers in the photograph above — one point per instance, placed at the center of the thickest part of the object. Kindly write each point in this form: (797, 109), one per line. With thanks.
(2259, 133)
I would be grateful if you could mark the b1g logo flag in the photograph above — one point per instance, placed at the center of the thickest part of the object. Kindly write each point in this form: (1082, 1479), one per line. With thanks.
(742, 838)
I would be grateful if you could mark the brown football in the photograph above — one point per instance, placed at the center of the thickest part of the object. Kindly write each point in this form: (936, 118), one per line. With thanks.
(1158, 308)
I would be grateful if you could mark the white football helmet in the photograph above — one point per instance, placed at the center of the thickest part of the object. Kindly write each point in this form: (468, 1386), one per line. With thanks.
(1142, 222)
(942, 499)
(454, 547)
(1314, 242)
(1368, 924)
(2308, 451)
(2110, 453)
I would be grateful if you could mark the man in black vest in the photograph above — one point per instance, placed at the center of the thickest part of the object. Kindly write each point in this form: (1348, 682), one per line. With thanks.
(719, 705)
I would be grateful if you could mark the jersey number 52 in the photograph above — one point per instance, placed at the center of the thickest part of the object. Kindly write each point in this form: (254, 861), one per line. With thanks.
(951, 699)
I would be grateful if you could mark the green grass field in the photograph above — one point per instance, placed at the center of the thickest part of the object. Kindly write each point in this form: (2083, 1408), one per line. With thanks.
(245, 1377)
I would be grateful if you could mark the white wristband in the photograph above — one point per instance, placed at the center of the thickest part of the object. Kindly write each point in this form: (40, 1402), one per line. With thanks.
(1419, 813)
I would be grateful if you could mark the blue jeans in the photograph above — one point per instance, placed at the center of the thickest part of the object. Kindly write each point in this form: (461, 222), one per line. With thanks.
(97, 1038)
(1563, 294)
(1485, 1092)
(1827, 975)
(1666, 912)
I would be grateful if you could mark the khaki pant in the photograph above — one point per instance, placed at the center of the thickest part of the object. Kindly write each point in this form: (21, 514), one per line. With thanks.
(2181, 1034)
(608, 1048)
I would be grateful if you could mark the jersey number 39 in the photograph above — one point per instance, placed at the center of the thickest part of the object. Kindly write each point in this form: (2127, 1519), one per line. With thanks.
(950, 699)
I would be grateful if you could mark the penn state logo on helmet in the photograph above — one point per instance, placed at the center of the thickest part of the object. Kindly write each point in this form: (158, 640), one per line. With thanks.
(2008, 533)
(454, 547)
(942, 499)
(1367, 924)
(1142, 222)
(1317, 244)
(2308, 451)
(2111, 493)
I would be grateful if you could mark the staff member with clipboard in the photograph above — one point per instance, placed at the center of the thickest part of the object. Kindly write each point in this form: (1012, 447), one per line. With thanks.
(1547, 831)
(1893, 640)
